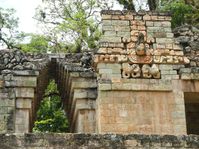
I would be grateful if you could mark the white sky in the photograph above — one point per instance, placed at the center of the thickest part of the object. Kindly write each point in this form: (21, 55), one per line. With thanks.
(25, 10)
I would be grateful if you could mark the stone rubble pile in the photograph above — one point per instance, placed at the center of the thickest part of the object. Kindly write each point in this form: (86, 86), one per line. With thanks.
(78, 61)
(17, 60)
(188, 37)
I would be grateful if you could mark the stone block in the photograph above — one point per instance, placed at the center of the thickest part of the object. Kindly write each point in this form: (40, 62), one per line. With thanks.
(165, 67)
(117, 86)
(186, 76)
(160, 35)
(169, 72)
(122, 28)
(101, 66)
(141, 28)
(111, 45)
(105, 71)
(166, 24)
(110, 33)
(137, 17)
(149, 23)
(114, 66)
(157, 24)
(154, 29)
(164, 40)
(127, 86)
(25, 81)
(104, 86)
(177, 47)
(120, 22)
(169, 35)
(115, 50)
(107, 22)
(123, 34)
(110, 39)
(146, 17)
(106, 17)
(102, 51)
(23, 103)
(25, 73)
(154, 17)
(108, 28)
(24, 92)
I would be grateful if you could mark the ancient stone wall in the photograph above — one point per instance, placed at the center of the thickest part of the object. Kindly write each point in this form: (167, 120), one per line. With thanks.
(92, 141)
(78, 88)
(140, 80)
(23, 80)
(141, 68)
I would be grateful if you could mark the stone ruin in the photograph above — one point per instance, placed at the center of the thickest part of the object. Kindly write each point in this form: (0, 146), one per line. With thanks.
(144, 80)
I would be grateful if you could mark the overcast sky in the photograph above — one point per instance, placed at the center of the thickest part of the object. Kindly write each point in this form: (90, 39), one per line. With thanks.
(25, 11)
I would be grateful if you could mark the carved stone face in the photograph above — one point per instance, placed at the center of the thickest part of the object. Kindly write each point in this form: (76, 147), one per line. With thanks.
(141, 49)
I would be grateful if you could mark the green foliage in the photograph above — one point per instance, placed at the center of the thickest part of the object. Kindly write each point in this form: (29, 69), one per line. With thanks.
(128, 4)
(37, 44)
(73, 23)
(50, 116)
(9, 36)
(179, 12)
(193, 18)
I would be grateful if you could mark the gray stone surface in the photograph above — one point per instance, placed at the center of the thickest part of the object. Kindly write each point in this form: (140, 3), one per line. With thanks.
(91, 141)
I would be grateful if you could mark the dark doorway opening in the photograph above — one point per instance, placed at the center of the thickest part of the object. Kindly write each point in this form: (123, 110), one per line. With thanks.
(192, 112)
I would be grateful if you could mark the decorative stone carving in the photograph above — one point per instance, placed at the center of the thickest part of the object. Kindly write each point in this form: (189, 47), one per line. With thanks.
(131, 70)
(135, 71)
(169, 59)
(155, 72)
(146, 71)
(110, 58)
(149, 72)
(140, 59)
(140, 45)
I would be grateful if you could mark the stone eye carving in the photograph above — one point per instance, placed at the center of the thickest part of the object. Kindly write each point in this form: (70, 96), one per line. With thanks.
(131, 70)
(140, 47)
(148, 71)
(135, 71)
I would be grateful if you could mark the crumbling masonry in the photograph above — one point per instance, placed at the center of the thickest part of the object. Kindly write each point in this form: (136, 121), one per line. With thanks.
(143, 79)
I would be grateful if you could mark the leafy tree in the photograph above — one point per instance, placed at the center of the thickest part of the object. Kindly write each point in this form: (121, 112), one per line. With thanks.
(37, 44)
(153, 4)
(50, 116)
(72, 21)
(128, 4)
(9, 36)
(179, 11)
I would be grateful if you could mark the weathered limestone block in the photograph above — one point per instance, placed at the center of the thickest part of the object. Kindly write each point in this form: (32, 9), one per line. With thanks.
(25, 81)
(24, 103)
(25, 92)
(110, 39)
(22, 121)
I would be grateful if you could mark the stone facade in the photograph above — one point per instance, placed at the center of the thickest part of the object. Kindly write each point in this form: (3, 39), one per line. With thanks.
(141, 80)
(78, 87)
(23, 81)
(141, 68)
